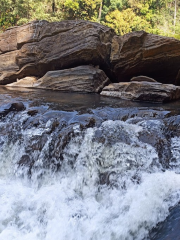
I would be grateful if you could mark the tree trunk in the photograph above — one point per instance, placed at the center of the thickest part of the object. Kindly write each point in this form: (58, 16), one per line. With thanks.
(53, 6)
(28, 10)
(175, 13)
(100, 11)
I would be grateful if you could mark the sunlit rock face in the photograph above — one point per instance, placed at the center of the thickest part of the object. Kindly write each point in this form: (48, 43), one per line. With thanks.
(24, 82)
(40, 46)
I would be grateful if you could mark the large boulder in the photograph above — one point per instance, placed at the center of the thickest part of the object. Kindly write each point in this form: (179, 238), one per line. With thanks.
(143, 91)
(40, 46)
(140, 53)
(78, 79)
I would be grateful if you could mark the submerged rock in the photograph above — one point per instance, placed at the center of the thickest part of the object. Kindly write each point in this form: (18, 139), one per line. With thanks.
(143, 91)
(169, 229)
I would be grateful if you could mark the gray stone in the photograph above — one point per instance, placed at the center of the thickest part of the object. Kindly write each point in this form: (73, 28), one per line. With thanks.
(143, 91)
(79, 79)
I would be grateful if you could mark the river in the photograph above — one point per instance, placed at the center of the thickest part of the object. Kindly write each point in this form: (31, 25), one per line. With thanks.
(83, 166)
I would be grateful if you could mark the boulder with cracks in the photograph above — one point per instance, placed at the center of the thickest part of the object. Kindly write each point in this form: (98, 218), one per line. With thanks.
(143, 91)
(140, 53)
(79, 79)
(38, 51)
(40, 46)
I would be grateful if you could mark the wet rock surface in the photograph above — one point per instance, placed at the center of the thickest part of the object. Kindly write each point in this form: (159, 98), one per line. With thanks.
(12, 107)
(44, 131)
(169, 229)
(143, 91)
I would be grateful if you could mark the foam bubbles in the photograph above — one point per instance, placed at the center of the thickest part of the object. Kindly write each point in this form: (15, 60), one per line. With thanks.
(110, 186)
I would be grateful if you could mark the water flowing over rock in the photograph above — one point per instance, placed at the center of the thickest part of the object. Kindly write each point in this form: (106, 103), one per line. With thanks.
(85, 173)
(143, 91)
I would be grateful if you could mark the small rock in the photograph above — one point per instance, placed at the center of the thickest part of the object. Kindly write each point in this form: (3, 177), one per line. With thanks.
(19, 106)
(32, 112)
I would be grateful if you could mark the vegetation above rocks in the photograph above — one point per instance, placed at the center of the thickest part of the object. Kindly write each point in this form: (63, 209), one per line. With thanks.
(154, 16)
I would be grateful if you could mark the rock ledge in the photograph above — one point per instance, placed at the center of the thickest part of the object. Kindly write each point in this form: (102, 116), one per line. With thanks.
(143, 91)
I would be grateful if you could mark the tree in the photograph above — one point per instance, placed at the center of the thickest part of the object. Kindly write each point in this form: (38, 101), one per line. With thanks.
(100, 11)
(156, 16)
(126, 21)
(82, 9)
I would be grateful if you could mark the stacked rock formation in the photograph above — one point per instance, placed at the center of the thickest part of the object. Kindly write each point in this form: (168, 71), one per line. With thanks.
(39, 47)
(82, 56)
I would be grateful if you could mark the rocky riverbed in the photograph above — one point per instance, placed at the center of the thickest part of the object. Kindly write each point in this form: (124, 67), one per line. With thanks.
(88, 166)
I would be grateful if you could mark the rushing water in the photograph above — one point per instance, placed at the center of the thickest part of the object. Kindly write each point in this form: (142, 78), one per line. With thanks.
(85, 167)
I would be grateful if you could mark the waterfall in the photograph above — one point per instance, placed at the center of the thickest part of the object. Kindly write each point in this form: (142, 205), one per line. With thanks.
(69, 175)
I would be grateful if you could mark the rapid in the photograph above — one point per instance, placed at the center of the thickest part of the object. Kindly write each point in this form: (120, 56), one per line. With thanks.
(86, 167)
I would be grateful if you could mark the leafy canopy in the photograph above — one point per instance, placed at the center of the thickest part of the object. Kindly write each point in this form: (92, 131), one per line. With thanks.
(155, 16)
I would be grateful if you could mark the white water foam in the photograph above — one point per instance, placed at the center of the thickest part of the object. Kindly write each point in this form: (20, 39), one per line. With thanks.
(73, 204)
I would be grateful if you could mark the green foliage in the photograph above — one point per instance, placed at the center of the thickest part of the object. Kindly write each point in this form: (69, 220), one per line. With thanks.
(17, 12)
(82, 9)
(126, 21)
(110, 6)
(154, 16)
